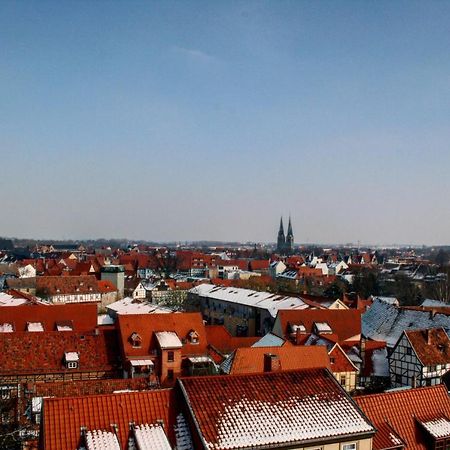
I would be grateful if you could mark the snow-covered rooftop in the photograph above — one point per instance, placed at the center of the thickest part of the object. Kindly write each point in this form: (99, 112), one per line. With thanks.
(6, 327)
(129, 305)
(323, 327)
(101, 440)
(183, 434)
(9, 300)
(141, 362)
(71, 357)
(269, 340)
(151, 437)
(168, 339)
(263, 300)
(438, 428)
(35, 326)
(105, 319)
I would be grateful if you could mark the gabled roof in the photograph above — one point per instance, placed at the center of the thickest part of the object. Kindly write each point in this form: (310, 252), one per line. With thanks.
(344, 323)
(339, 360)
(64, 417)
(83, 317)
(65, 285)
(432, 345)
(272, 409)
(400, 410)
(149, 324)
(251, 360)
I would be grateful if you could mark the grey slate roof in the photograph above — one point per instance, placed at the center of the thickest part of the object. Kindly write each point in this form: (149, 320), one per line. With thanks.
(386, 322)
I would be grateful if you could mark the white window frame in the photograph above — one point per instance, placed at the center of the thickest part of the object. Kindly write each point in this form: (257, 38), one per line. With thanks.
(349, 446)
(72, 364)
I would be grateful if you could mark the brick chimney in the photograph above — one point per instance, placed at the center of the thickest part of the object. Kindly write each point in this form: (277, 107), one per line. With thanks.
(272, 363)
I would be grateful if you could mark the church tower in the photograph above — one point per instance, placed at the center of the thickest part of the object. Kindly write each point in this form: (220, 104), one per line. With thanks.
(281, 241)
(289, 248)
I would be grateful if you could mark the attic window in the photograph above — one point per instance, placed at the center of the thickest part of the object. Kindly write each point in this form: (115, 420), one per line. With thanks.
(71, 359)
(298, 328)
(35, 326)
(136, 340)
(322, 328)
(193, 337)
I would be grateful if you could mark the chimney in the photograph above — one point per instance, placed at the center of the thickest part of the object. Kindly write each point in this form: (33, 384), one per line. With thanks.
(272, 363)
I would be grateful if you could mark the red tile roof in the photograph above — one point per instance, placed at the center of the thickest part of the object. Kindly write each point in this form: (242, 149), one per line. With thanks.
(400, 409)
(106, 286)
(63, 417)
(251, 360)
(25, 353)
(63, 285)
(83, 316)
(432, 346)
(344, 323)
(259, 264)
(221, 339)
(86, 387)
(271, 409)
(339, 360)
(146, 326)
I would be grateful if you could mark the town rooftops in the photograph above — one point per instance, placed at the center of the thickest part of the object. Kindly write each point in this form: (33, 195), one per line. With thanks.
(272, 410)
(432, 345)
(82, 317)
(63, 418)
(66, 285)
(262, 300)
(344, 324)
(129, 305)
(148, 326)
(407, 414)
(254, 359)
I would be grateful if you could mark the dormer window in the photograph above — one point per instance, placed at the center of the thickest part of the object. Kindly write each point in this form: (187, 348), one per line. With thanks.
(193, 337)
(322, 328)
(71, 360)
(136, 340)
(35, 327)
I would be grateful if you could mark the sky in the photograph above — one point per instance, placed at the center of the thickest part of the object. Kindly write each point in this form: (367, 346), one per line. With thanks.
(200, 120)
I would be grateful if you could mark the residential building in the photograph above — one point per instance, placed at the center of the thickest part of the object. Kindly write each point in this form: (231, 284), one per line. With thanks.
(420, 358)
(116, 275)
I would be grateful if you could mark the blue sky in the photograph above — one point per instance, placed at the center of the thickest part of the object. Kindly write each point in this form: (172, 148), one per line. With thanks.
(208, 120)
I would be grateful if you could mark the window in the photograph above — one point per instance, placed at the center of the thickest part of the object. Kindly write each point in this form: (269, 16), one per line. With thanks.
(331, 360)
(342, 381)
(398, 379)
(170, 374)
(170, 356)
(351, 446)
(72, 364)
(408, 351)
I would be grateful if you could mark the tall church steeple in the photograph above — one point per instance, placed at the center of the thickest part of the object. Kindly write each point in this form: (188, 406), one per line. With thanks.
(281, 241)
(289, 238)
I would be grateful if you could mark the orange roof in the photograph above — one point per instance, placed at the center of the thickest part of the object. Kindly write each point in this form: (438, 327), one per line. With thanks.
(251, 360)
(344, 323)
(82, 316)
(63, 417)
(147, 324)
(105, 286)
(400, 409)
(221, 339)
(432, 346)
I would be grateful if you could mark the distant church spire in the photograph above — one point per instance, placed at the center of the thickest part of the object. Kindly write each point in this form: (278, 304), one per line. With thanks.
(281, 240)
(285, 243)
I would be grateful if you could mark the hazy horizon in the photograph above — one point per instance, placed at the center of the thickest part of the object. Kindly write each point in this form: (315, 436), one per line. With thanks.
(190, 121)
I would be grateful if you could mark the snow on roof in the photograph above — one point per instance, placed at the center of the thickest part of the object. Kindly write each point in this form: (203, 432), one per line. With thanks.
(168, 339)
(438, 428)
(200, 359)
(64, 328)
(183, 434)
(151, 437)
(6, 327)
(323, 327)
(301, 328)
(105, 319)
(386, 322)
(388, 300)
(141, 362)
(35, 326)
(435, 303)
(9, 300)
(71, 357)
(269, 340)
(129, 305)
(263, 300)
(101, 440)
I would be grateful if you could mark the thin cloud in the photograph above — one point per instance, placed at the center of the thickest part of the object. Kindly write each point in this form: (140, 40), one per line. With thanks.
(194, 53)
